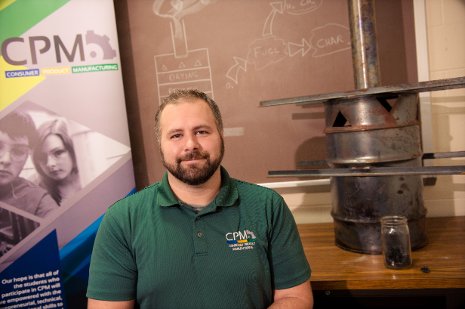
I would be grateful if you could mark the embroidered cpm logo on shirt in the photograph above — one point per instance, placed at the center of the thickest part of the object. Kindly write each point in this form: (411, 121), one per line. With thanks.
(240, 240)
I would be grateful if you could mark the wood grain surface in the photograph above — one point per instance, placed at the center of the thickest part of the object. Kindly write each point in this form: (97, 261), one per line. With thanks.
(438, 265)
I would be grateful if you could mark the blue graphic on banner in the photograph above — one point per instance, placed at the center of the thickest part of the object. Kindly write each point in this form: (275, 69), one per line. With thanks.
(75, 261)
(33, 280)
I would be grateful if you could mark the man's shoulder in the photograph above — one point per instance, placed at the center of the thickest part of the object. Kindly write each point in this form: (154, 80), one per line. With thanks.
(253, 187)
(145, 196)
(134, 208)
(256, 195)
(244, 186)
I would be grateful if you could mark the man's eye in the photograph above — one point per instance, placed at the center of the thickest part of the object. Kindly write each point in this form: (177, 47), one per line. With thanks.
(202, 132)
(175, 136)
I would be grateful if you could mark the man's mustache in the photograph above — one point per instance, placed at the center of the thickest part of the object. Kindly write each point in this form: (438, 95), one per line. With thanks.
(193, 155)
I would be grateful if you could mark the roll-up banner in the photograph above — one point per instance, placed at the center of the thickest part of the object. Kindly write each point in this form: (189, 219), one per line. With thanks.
(65, 154)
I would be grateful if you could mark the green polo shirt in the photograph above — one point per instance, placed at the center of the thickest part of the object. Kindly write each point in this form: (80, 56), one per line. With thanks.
(231, 254)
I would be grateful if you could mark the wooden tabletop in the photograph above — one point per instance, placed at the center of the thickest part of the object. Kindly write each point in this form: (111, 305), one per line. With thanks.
(337, 269)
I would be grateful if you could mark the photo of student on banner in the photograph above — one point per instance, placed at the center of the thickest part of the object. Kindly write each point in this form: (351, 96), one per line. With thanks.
(22, 203)
(47, 162)
(54, 159)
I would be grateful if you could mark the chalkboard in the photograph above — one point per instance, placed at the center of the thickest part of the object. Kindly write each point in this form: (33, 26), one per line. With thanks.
(240, 52)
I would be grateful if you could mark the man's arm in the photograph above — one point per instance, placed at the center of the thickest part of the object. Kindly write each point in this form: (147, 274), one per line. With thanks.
(103, 304)
(297, 297)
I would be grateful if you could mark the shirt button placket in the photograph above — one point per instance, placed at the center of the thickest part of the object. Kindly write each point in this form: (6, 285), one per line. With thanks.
(200, 242)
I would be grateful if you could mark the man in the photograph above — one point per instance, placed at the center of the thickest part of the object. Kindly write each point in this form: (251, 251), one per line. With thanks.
(17, 137)
(198, 238)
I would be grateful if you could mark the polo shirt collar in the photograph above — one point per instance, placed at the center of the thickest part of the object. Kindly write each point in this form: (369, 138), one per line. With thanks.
(227, 196)
(166, 196)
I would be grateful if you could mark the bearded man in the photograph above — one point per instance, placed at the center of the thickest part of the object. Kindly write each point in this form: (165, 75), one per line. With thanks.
(198, 238)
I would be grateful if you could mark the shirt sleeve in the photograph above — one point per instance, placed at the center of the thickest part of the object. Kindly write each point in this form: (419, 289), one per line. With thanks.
(290, 265)
(112, 273)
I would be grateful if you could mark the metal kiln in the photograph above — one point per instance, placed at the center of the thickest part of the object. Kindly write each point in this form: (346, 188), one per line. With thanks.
(374, 146)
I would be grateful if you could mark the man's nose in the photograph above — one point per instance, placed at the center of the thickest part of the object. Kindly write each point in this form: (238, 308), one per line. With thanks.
(192, 142)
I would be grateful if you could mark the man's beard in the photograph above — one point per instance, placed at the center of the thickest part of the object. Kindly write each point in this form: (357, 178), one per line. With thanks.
(193, 175)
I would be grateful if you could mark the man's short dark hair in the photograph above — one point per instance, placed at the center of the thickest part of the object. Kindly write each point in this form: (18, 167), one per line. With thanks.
(188, 94)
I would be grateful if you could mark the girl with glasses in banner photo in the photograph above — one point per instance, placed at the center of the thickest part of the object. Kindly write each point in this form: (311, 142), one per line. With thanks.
(23, 204)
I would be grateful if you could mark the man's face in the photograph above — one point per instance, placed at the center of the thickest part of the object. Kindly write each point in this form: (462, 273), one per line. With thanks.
(190, 144)
(13, 156)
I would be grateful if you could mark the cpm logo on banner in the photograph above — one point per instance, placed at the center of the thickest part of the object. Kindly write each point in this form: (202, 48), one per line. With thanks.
(35, 49)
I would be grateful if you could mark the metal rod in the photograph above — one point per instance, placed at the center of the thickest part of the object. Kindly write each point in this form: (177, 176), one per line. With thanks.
(425, 156)
(443, 155)
(371, 171)
(385, 91)
(364, 46)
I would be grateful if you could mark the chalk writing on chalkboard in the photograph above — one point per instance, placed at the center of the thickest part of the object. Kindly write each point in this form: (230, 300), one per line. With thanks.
(265, 51)
(191, 68)
(183, 68)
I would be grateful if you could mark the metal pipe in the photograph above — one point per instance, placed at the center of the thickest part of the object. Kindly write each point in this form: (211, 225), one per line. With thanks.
(364, 47)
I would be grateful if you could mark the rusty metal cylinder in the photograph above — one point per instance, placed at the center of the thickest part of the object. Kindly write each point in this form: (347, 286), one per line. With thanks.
(372, 130)
(379, 132)
(376, 131)
(360, 202)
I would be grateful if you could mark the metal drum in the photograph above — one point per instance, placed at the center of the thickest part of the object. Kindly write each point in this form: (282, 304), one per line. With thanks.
(373, 146)
(358, 203)
(372, 132)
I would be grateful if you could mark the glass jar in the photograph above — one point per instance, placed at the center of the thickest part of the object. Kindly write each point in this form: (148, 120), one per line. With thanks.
(395, 242)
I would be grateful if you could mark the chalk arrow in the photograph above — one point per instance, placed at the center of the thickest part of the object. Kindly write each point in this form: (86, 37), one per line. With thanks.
(233, 72)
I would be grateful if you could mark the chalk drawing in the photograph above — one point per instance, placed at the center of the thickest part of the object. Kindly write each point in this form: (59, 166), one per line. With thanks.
(183, 68)
(191, 68)
(270, 49)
